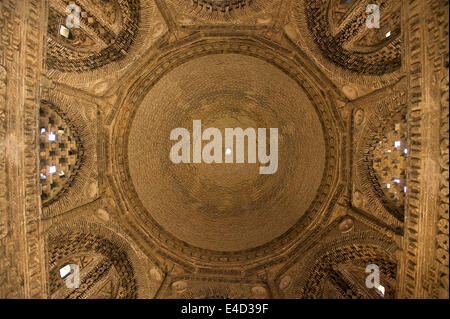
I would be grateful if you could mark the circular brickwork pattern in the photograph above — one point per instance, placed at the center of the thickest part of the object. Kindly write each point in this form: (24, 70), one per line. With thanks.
(226, 206)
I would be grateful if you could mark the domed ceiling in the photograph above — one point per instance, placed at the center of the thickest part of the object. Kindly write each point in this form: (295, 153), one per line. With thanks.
(192, 210)
(226, 206)
(355, 175)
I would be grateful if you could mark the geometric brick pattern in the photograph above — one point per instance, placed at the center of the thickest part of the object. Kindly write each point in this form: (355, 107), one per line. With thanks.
(60, 154)
(222, 5)
(389, 163)
(82, 148)
(100, 39)
(325, 267)
(344, 39)
(108, 260)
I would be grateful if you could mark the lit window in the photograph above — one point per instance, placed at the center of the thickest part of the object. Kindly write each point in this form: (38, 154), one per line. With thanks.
(43, 130)
(62, 174)
(389, 151)
(51, 137)
(397, 144)
(64, 271)
(405, 151)
(405, 189)
(388, 34)
(52, 169)
(397, 180)
(388, 186)
(43, 176)
(65, 32)
(380, 290)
